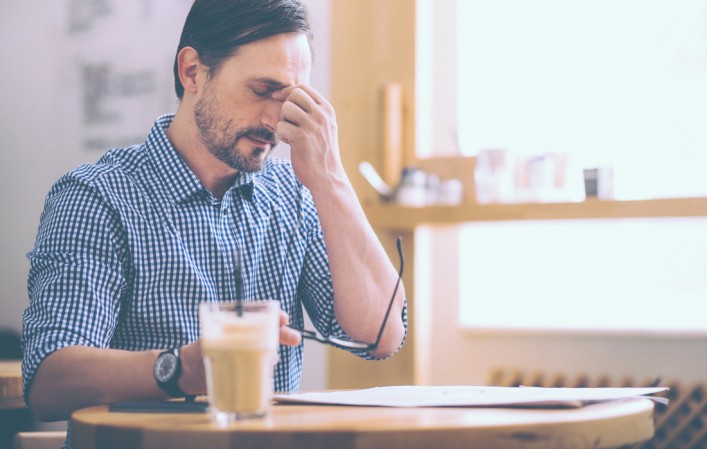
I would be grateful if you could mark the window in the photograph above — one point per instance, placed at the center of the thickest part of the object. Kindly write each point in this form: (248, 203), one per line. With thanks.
(588, 275)
(617, 83)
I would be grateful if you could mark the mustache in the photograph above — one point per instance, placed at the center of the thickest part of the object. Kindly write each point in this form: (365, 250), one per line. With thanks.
(259, 133)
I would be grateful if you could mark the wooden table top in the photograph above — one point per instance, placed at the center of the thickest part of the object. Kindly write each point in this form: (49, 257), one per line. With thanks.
(604, 425)
(11, 384)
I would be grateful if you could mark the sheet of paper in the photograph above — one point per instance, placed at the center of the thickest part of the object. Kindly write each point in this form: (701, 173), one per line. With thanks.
(468, 396)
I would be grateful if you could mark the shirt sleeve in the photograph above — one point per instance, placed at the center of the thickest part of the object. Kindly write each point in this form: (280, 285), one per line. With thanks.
(316, 285)
(75, 278)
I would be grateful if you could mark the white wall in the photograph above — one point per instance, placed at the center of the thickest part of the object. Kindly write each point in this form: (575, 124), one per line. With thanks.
(27, 148)
(38, 136)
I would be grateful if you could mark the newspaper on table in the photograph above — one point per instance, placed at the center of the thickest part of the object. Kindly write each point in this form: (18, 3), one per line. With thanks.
(471, 396)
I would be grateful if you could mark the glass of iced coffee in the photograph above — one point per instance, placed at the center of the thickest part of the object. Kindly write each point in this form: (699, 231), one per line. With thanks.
(239, 341)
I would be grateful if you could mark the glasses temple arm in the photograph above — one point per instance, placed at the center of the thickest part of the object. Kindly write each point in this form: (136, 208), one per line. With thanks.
(395, 291)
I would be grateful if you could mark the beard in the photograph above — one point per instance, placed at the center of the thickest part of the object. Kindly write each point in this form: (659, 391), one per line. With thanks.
(221, 137)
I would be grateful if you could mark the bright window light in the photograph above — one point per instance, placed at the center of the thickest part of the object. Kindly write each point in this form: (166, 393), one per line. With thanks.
(593, 275)
(617, 83)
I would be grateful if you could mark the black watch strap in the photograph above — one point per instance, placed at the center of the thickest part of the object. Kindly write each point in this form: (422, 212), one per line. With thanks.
(171, 385)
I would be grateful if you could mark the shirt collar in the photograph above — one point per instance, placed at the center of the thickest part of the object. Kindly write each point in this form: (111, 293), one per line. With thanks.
(179, 181)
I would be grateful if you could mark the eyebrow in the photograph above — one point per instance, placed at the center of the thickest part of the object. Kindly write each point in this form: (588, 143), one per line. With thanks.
(270, 82)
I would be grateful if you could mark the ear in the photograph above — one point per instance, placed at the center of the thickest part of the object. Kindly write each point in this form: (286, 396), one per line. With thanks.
(189, 68)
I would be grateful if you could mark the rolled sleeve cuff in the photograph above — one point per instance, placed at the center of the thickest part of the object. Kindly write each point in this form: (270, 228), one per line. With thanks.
(34, 354)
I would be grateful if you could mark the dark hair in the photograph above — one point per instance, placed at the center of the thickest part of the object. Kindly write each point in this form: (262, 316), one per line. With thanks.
(216, 28)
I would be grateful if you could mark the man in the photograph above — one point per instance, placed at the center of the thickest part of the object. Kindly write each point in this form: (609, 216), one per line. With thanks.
(128, 247)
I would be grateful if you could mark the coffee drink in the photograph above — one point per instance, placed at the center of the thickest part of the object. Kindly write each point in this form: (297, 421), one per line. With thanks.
(239, 343)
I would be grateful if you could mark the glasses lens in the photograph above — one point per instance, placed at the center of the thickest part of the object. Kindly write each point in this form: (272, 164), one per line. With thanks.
(348, 344)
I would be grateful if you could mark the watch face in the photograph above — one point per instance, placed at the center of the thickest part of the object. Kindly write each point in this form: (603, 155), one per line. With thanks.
(165, 367)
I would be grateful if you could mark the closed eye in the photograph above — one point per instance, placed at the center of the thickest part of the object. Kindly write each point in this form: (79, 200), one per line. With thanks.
(265, 87)
(263, 92)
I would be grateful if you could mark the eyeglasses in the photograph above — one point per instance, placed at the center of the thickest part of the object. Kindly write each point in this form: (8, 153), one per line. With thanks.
(354, 344)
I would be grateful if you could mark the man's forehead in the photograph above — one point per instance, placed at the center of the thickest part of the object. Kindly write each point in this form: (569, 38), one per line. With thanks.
(278, 61)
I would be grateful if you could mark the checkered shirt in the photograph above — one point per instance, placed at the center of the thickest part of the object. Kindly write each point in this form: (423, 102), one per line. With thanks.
(128, 247)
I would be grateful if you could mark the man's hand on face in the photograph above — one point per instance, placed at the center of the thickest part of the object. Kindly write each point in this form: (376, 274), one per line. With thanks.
(308, 125)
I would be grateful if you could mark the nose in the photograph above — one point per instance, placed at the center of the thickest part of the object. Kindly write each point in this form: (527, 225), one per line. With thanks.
(271, 114)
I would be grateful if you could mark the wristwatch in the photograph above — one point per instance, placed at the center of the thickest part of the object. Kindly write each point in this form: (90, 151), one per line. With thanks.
(167, 369)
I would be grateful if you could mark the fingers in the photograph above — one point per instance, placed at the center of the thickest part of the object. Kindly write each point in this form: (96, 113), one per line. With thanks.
(282, 94)
(288, 336)
(285, 131)
(308, 125)
(304, 108)
(292, 113)
(299, 108)
(299, 93)
(302, 97)
(298, 112)
(298, 97)
(284, 318)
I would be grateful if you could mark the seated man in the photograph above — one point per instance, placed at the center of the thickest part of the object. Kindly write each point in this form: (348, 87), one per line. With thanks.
(128, 247)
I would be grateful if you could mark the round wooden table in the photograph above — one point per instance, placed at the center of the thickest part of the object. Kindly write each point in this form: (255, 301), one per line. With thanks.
(11, 384)
(605, 425)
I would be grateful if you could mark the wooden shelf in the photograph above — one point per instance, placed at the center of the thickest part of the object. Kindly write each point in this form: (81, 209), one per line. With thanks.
(388, 216)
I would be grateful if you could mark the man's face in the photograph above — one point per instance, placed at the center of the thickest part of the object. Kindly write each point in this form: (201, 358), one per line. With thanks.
(235, 114)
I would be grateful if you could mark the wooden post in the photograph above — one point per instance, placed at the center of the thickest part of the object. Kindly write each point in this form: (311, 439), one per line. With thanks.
(392, 144)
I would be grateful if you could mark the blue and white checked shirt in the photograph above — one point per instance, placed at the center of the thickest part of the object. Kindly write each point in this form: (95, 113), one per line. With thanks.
(128, 247)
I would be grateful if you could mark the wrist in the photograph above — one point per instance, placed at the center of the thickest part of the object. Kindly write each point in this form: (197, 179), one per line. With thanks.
(192, 380)
(332, 188)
